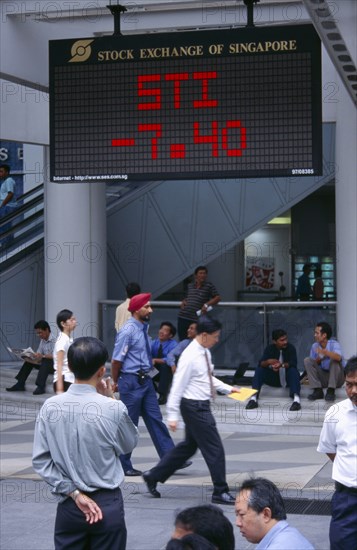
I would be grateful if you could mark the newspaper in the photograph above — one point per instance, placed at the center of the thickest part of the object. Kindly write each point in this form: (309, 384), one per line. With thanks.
(26, 354)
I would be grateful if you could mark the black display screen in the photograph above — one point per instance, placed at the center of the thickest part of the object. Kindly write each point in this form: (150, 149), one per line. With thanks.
(208, 104)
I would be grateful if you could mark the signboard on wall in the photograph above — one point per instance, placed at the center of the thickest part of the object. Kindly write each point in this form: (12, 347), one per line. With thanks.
(207, 104)
(260, 273)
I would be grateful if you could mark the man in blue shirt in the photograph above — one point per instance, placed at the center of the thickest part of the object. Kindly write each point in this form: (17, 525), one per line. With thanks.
(325, 365)
(174, 354)
(131, 366)
(7, 202)
(261, 517)
(160, 347)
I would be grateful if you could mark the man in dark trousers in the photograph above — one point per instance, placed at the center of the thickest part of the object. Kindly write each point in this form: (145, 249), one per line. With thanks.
(278, 368)
(131, 366)
(193, 386)
(79, 437)
(44, 361)
(338, 439)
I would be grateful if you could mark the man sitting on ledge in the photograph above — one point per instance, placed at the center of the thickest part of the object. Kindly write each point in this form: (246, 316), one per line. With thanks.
(325, 365)
(277, 368)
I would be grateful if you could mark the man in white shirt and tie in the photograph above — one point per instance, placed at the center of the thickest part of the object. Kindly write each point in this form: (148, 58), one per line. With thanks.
(193, 386)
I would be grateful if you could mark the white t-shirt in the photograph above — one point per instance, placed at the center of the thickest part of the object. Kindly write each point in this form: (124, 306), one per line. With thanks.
(62, 344)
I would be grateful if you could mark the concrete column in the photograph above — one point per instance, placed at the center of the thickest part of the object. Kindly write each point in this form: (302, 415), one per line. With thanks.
(346, 221)
(75, 252)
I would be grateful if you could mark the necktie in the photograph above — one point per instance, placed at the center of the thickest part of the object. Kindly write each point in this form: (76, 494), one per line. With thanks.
(282, 371)
(147, 344)
(213, 391)
(160, 352)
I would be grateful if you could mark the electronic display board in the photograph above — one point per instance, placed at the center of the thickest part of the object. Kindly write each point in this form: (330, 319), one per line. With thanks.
(203, 104)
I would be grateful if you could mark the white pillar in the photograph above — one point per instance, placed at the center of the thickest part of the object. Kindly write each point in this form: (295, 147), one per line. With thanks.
(346, 221)
(75, 252)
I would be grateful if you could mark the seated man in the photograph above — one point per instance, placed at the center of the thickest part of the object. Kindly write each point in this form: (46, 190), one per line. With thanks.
(45, 365)
(174, 355)
(261, 517)
(325, 365)
(277, 368)
(160, 347)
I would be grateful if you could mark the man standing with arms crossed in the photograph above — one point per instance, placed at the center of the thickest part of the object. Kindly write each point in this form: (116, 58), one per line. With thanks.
(79, 436)
(338, 439)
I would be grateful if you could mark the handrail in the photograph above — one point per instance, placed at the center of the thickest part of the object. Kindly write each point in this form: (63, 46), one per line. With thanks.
(30, 192)
(21, 210)
(168, 303)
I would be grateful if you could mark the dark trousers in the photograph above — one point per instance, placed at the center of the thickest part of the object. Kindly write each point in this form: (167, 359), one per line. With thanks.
(271, 378)
(165, 379)
(182, 326)
(201, 433)
(141, 400)
(72, 532)
(44, 369)
(343, 526)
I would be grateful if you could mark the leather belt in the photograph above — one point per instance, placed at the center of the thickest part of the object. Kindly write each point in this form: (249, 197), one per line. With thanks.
(343, 488)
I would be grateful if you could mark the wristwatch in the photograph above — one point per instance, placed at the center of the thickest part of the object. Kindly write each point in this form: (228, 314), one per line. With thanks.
(75, 494)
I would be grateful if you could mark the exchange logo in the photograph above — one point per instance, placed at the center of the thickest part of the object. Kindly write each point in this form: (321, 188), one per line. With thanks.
(81, 51)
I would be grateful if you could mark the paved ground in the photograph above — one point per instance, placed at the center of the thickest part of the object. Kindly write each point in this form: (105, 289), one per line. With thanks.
(270, 442)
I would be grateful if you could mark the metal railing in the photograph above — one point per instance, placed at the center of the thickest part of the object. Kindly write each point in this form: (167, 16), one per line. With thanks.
(247, 326)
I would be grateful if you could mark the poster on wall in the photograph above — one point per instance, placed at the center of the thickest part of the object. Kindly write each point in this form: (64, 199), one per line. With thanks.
(259, 274)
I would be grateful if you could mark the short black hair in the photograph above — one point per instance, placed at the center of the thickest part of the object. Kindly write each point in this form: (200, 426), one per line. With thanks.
(351, 366)
(325, 329)
(192, 541)
(201, 268)
(208, 324)
(278, 333)
(132, 289)
(42, 325)
(62, 317)
(6, 167)
(264, 494)
(208, 521)
(306, 267)
(85, 356)
(171, 327)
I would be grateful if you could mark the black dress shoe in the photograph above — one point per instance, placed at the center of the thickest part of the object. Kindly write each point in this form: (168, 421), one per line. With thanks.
(151, 485)
(38, 391)
(316, 394)
(133, 472)
(223, 498)
(295, 406)
(330, 394)
(16, 387)
(252, 404)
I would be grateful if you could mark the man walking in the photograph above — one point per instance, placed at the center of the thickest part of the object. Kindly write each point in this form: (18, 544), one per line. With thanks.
(131, 366)
(325, 365)
(79, 436)
(193, 386)
(338, 439)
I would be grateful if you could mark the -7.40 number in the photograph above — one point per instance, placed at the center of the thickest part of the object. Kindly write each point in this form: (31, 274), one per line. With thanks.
(217, 138)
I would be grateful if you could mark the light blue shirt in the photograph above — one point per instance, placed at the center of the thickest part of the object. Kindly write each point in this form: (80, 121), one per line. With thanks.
(176, 352)
(284, 537)
(7, 186)
(131, 347)
(79, 436)
(332, 345)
